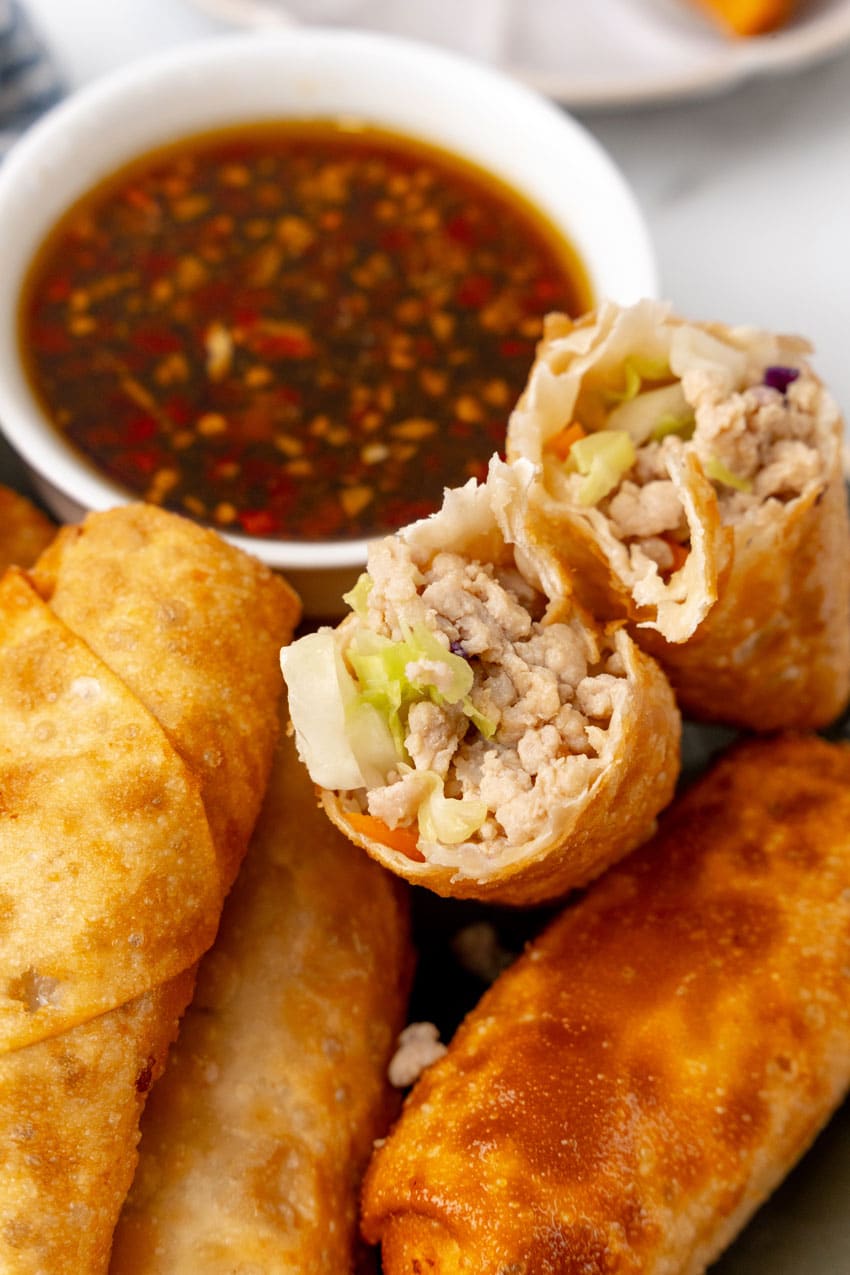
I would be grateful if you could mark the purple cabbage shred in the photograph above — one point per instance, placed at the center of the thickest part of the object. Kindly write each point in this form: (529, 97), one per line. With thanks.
(457, 648)
(779, 378)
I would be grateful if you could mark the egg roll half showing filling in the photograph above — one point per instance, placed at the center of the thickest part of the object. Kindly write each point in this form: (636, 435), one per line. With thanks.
(665, 446)
(469, 725)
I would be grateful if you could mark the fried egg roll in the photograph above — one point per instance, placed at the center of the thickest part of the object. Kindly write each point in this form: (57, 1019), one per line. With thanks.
(24, 530)
(691, 477)
(626, 1095)
(749, 17)
(254, 1142)
(129, 659)
(470, 726)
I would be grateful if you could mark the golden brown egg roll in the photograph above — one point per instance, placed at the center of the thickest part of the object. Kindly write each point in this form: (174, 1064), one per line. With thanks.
(254, 1142)
(471, 727)
(749, 17)
(24, 530)
(119, 837)
(690, 475)
(69, 1114)
(627, 1094)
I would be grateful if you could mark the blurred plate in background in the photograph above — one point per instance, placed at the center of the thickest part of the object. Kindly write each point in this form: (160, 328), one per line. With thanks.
(611, 53)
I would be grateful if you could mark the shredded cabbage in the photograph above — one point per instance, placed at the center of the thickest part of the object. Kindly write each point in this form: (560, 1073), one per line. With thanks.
(350, 714)
(602, 459)
(486, 725)
(357, 597)
(393, 675)
(674, 425)
(342, 740)
(636, 370)
(449, 820)
(641, 416)
(718, 472)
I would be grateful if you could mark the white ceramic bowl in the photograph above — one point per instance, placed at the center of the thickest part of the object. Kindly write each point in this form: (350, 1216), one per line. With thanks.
(410, 88)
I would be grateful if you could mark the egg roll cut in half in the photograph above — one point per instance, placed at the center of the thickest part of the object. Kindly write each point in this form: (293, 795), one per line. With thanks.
(470, 727)
(691, 477)
(136, 637)
(626, 1095)
(24, 530)
(255, 1141)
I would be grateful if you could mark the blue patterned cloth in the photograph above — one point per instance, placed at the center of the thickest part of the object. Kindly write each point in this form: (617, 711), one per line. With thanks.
(29, 81)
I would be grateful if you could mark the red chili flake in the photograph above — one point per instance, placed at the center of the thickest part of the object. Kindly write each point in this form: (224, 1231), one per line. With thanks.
(179, 410)
(547, 290)
(138, 198)
(141, 461)
(141, 429)
(287, 394)
(511, 348)
(475, 290)
(426, 350)
(245, 316)
(327, 518)
(461, 230)
(396, 239)
(282, 346)
(259, 522)
(157, 264)
(156, 341)
(59, 289)
(460, 429)
(50, 340)
(401, 512)
(280, 488)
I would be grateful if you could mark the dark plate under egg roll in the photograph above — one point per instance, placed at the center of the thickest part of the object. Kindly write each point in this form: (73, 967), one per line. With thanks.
(691, 476)
(627, 1094)
(254, 1142)
(469, 724)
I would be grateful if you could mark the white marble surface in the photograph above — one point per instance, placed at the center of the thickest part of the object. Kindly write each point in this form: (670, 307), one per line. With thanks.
(747, 195)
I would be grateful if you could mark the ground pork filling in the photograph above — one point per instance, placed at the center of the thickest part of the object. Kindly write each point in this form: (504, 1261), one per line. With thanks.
(549, 689)
(767, 440)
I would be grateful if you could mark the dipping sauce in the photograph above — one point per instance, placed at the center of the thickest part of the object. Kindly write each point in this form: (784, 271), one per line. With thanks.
(296, 331)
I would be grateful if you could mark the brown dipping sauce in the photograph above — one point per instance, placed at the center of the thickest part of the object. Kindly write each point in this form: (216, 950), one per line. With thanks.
(299, 331)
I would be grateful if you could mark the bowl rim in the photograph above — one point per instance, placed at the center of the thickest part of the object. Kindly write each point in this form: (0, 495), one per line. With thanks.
(22, 419)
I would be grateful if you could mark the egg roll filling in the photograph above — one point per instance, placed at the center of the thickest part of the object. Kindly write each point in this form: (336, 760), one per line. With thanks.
(466, 706)
(744, 403)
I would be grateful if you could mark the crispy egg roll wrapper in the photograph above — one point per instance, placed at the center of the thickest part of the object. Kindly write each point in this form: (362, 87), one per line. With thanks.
(69, 1112)
(572, 833)
(254, 1142)
(754, 627)
(117, 839)
(108, 874)
(776, 649)
(24, 530)
(204, 620)
(628, 1093)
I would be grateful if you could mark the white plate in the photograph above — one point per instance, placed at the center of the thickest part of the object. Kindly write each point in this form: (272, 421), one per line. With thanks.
(585, 53)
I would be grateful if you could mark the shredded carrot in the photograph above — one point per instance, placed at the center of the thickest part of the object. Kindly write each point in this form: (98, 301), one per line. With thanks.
(404, 840)
(562, 442)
